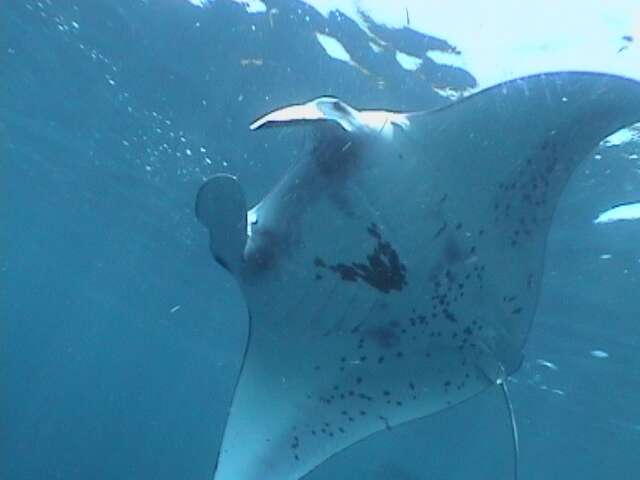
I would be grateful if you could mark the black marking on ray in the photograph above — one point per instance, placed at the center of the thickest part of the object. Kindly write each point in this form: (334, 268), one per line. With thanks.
(374, 231)
(450, 316)
(520, 204)
(318, 262)
(440, 231)
(383, 271)
(385, 420)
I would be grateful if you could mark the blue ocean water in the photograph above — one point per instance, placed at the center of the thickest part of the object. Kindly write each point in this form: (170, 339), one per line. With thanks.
(121, 340)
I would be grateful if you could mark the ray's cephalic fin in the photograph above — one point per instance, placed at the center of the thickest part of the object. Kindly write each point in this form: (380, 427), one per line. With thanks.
(221, 206)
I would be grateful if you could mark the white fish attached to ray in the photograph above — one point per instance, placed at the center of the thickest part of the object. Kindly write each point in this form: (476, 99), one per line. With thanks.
(395, 270)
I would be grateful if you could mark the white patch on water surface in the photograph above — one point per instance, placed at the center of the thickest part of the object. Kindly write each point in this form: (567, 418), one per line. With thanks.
(621, 137)
(408, 62)
(599, 354)
(251, 6)
(628, 211)
(334, 48)
(375, 47)
(175, 308)
(606, 256)
(447, 58)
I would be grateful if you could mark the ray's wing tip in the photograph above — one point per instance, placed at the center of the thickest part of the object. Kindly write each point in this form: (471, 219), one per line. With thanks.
(283, 116)
(257, 124)
(272, 119)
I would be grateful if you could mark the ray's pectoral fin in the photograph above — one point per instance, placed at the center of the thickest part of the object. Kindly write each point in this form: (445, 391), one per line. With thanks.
(221, 206)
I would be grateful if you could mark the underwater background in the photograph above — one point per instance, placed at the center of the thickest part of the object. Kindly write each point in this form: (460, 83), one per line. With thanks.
(121, 340)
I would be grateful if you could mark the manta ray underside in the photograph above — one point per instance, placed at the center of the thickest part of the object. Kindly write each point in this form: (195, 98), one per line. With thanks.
(394, 271)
